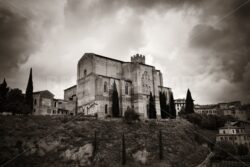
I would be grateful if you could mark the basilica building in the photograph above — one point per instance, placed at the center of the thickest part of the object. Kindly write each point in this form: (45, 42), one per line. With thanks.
(134, 80)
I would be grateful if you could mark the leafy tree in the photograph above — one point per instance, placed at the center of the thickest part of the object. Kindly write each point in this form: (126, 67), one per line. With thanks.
(189, 107)
(242, 150)
(2, 105)
(151, 110)
(163, 105)
(209, 122)
(130, 115)
(224, 149)
(172, 106)
(194, 118)
(15, 102)
(29, 93)
(115, 102)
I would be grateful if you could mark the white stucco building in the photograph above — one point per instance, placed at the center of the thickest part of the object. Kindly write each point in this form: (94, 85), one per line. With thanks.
(233, 134)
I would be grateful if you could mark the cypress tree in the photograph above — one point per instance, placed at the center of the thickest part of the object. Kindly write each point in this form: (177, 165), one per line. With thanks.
(172, 106)
(189, 107)
(3, 89)
(3, 95)
(115, 102)
(152, 110)
(29, 93)
(163, 105)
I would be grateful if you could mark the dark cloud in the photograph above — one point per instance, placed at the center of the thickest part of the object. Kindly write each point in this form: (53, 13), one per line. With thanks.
(16, 43)
(49, 33)
(228, 42)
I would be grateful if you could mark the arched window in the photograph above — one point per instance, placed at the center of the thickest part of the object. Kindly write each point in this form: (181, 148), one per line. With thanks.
(105, 87)
(85, 73)
(126, 89)
(106, 109)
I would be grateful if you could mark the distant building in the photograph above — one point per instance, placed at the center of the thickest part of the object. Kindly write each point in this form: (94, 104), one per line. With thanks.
(246, 109)
(70, 93)
(43, 103)
(229, 105)
(208, 109)
(63, 107)
(234, 134)
(179, 105)
(234, 109)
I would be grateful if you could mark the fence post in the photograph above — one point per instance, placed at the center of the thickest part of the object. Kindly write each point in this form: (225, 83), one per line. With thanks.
(123, 150)
(94, 145)
(160, 146)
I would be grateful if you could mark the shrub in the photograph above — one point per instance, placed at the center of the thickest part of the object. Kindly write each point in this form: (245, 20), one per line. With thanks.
(19, 146)
(108, 116)
(96, 116)
(130, 115)
(224, 149)
(194, 118)
(242, 150)
(64, 119)
(220, 121)
(209, 122)
(182, 111)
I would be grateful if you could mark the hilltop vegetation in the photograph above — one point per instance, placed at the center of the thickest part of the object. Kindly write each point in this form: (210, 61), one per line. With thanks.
(67, 141)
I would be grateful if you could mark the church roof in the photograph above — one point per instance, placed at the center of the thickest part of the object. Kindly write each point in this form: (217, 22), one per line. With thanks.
(44, 92)
(93, 54)
(70, 87)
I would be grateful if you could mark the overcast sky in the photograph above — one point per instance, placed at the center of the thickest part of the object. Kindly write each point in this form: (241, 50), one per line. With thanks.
(197, 44)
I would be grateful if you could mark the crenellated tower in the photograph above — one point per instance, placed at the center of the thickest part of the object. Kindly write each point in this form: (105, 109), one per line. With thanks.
(138, 58)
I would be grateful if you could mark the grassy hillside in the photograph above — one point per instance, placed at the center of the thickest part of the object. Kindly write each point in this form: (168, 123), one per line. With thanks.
(59, 141)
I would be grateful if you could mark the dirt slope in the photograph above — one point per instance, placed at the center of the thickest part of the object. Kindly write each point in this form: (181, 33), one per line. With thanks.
(60, 141)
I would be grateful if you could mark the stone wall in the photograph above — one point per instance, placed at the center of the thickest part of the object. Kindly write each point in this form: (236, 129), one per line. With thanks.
(43, 103)
(107, 67)
(86, 91)
(70, 93)
(85, 66)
